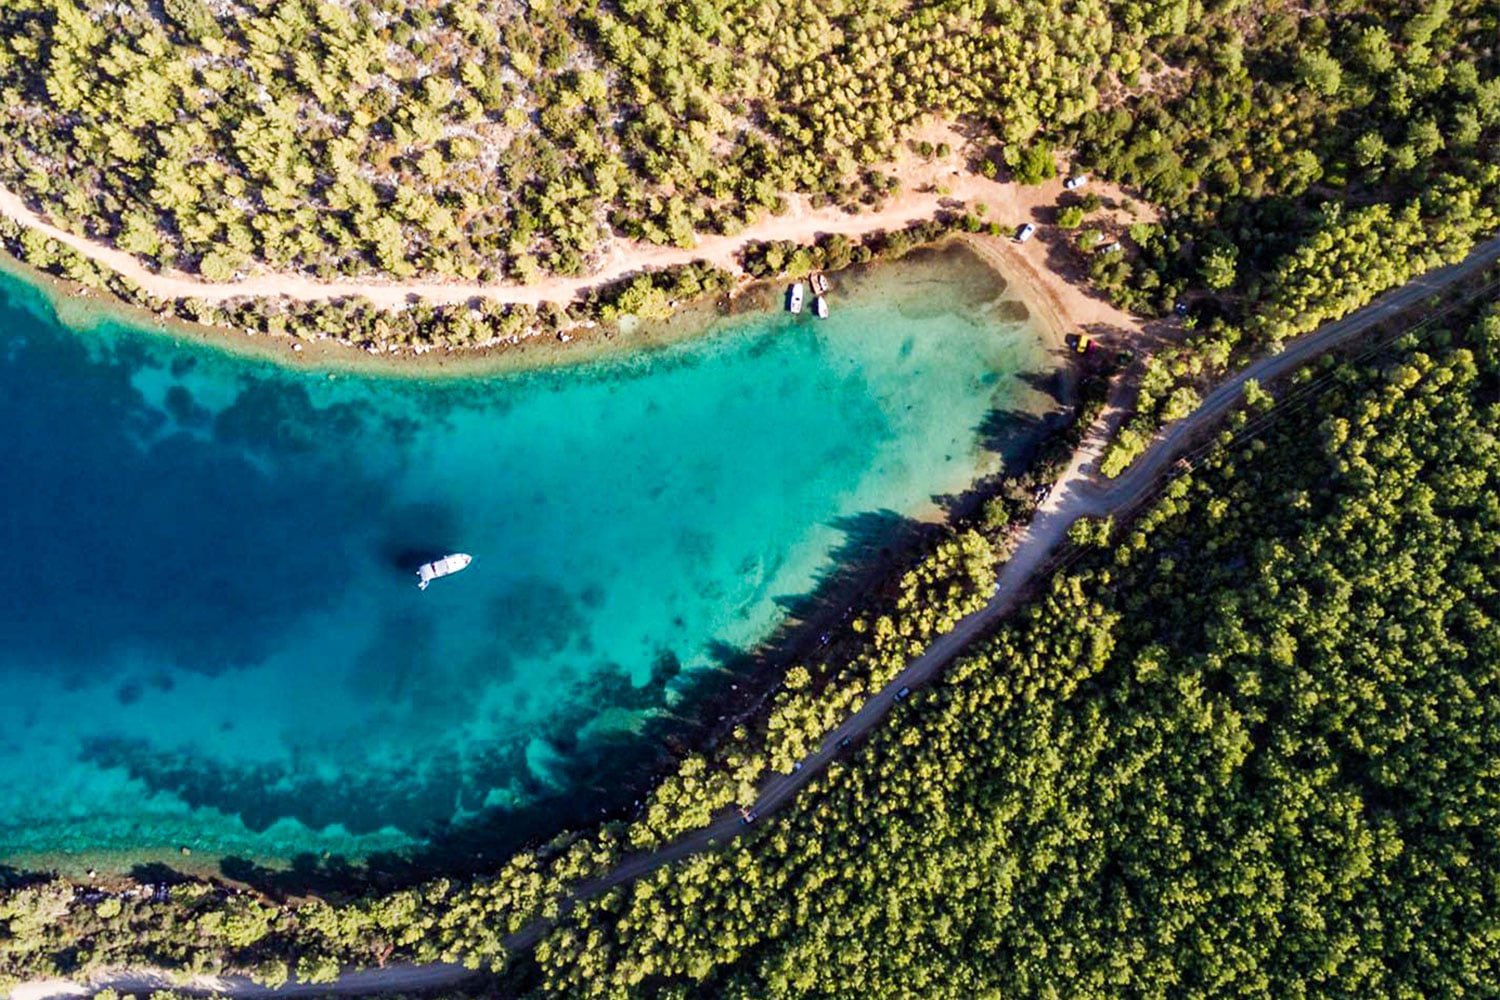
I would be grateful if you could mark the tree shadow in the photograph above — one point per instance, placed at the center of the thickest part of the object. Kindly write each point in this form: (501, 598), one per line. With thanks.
(866, 567)
(157, 873)
(15, 878)
(877, 547)
(597, 775)
(1052, 384)
(872, 541)
(1011, 432)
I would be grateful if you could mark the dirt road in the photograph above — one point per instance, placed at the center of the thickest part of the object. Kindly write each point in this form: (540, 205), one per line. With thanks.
(926, 187)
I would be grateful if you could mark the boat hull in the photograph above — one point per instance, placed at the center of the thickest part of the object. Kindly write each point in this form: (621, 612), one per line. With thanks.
(439, 568)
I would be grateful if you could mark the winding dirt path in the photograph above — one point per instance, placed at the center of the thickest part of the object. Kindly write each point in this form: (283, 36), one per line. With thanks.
(927, 186)
(1078, 493)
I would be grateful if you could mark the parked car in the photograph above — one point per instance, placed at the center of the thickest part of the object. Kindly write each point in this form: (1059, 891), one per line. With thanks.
(845, 741)
(748, 816)
(1025, 233)
(1075, 182)
(901, 695)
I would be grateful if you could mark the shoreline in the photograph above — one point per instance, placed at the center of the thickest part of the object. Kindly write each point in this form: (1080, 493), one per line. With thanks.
(926, 188)
(1070, 499)
(85, 310)
(930, 270)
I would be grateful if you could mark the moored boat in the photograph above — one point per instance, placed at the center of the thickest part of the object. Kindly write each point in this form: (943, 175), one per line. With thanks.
(794, 298)
(438, 568)
(819, 283)
(820, 307)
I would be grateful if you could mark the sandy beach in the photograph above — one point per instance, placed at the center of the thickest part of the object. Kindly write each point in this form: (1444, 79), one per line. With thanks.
(927, 186)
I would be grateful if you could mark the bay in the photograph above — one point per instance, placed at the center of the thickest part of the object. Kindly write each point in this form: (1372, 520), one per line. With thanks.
(210, 635)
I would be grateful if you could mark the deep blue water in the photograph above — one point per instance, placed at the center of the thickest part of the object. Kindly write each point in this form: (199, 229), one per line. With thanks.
(210, 634)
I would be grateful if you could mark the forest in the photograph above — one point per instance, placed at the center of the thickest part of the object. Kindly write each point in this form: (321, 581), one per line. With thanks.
(1304, 160)
(481, 138)
(1299, 158)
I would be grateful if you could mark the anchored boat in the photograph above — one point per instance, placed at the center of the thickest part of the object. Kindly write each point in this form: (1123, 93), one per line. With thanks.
(794, 299)
(820, 307)
(446, 566)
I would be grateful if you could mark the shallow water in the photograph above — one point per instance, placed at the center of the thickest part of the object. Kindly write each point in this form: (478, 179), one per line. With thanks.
(211, 634)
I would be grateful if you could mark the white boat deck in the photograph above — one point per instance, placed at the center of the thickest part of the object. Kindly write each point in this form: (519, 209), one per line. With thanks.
(446, 566)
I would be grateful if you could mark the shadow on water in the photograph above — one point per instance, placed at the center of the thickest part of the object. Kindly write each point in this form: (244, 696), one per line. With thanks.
(15, 878)
(1020, 436)
(1017, 434)
(157, 873)
(876, 544)
(871, 541)
(1009, 432)
(1052, 384)
(406, 561)
(187, 491)
(590, 779)
(568, 774)
(435, 524)
(591, 775)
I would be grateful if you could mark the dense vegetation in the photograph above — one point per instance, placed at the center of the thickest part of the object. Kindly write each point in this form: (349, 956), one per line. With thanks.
(1302, 156)
(55, 928)
(1306, 158)
(482, 137)
(1248, 749)
(651, 294)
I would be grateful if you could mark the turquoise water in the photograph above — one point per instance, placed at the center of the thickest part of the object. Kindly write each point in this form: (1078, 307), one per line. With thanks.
(211, 635)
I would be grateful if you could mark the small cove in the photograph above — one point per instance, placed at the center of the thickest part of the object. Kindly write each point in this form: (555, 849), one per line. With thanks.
(213, 639)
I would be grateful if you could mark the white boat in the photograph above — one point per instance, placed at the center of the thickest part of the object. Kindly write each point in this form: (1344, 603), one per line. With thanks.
(819, 283)
(446, 566)
(820, 307)
(794, 299)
